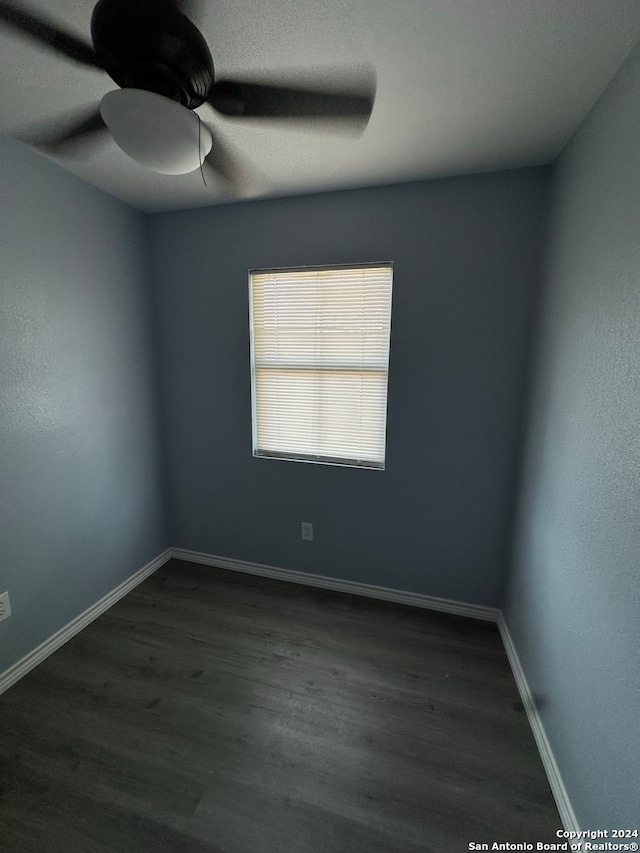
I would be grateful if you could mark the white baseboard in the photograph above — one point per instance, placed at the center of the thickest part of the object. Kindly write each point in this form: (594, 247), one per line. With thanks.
(414, 599)
(29, 661)
(567, 815)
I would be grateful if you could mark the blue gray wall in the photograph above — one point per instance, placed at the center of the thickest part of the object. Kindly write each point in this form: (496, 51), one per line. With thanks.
(80, 476)
(466, 254)
(573, 606)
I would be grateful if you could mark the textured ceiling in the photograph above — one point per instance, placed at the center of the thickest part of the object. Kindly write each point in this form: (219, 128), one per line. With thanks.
(462, 86)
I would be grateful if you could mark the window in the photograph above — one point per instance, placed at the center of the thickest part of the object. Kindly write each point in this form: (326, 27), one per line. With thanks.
(319, 363)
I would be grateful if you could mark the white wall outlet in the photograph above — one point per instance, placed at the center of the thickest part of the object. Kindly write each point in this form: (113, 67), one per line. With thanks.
(307, 531)
(5, 607)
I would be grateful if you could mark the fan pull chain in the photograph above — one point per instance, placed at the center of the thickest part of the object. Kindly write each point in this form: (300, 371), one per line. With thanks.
(204, 181)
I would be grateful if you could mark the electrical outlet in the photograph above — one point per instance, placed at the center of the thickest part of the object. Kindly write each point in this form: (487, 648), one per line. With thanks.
(307, 531)
(5, 607)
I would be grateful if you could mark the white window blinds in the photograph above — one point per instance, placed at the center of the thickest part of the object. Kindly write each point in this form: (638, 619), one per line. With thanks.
(320, 356)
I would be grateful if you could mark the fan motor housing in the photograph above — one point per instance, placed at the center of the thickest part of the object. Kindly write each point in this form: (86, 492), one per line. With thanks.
(150, 44)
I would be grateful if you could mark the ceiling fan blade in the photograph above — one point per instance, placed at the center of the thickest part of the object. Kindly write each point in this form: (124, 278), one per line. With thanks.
(69, 135)
(245, 99)
(222, 161)
(46, 32)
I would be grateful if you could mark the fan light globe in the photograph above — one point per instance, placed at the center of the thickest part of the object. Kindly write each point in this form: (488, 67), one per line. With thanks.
(156, 132)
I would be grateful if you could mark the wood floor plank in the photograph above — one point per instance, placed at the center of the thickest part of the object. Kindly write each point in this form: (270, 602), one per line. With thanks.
(211, 712)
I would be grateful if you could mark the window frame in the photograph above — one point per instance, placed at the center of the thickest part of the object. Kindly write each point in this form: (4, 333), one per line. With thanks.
(309, 458)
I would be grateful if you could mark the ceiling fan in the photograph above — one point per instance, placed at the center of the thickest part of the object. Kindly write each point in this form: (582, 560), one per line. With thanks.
(164, 69)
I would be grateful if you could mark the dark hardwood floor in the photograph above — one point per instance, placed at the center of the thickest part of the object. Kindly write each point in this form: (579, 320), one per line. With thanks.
(212, 711)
